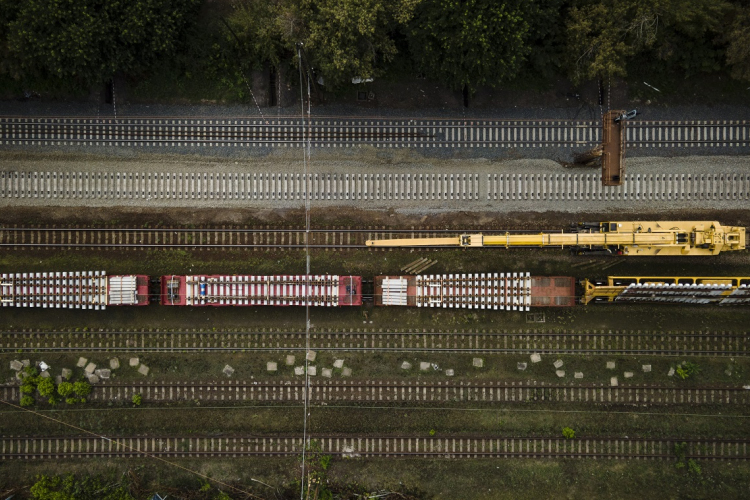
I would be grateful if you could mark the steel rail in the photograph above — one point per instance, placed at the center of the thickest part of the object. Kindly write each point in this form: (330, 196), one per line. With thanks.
(25, 448)
(664, 344)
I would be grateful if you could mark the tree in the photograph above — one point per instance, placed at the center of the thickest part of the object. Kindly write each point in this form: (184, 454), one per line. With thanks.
(350, 38)
(603, 36)
(91, 40)
(468, 43)
(738, 48)
(265, 30)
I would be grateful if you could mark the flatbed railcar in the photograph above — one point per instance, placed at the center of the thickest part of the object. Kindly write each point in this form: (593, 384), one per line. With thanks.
(495, 291)
(247, 290)
(73, 290)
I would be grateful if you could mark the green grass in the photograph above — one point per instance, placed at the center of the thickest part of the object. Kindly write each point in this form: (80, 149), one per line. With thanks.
(407, 419)
(491, 479)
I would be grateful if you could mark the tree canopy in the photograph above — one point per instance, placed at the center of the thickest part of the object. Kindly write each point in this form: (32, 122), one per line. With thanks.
(603, 36)
(470, 42)
(90, 40)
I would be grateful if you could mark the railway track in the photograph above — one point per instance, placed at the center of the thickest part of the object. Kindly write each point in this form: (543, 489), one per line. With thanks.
(625, 342)
(328, 391)
(353, 188)
(191, 446)
(208, 238)
(352, 132)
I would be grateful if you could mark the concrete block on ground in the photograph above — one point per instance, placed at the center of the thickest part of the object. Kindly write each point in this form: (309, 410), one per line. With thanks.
(20, 375)
(272, 366)
(104, 373)
(16, 365)
(312, 371)
(646, 368)
(424, 366)
(671, 372)
(82, 362)
(450, 372)
(610, 365)
(346, 372)
(134, 362)
(522, 366)
(578, 375)
(613, 382)
(58, 380)
(26, 362)
(728, 372)
(143, 370)
(93, 379)
(114, 363)
(299, 370)
(478, 362)
(66, 373)
(90, 368)
(339, 363)
(558, 364)
(290, 360)
(44, 374)
(628, 374)
(406, 365)
(560, 373)
(228, 371)
(326, 372)
(536, 358)
(311, 355)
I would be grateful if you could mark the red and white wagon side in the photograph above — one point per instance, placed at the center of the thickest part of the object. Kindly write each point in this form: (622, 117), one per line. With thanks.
(247, 290)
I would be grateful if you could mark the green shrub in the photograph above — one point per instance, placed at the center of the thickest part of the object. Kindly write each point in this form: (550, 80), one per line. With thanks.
(687, 370)
(46, 387)
(27, 401)
(71, 401)
(65, 389)
(137, 399)
(53, 400)
(28, 388)
(568, 433)
(82, 388)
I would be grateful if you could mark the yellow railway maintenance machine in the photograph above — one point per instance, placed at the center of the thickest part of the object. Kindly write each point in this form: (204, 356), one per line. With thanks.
(645, 238)
(687, 290)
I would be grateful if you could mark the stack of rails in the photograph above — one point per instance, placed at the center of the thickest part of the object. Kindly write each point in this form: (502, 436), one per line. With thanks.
(73, 290)
(498, 291)
(721, 291)
(244, 290)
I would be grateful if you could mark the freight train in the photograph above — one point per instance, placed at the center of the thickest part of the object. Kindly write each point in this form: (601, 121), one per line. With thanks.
(490, 291)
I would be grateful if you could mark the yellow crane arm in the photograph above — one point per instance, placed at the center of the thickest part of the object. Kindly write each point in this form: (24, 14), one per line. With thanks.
(629, 238)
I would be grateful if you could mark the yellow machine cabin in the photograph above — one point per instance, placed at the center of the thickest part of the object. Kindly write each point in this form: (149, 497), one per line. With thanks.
(626, 238)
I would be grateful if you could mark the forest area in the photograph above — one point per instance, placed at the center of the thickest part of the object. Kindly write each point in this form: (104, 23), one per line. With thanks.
(207, 49)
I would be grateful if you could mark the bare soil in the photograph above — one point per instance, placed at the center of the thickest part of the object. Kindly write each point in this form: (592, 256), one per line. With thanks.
(332, 217)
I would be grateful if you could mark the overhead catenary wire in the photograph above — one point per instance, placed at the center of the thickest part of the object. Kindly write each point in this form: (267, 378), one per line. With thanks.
(308, 188)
